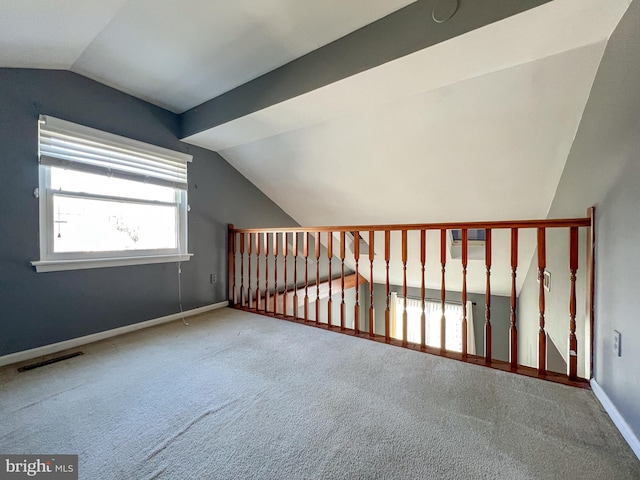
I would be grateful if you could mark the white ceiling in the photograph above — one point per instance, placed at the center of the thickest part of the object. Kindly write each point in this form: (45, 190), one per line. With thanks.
(484, 117)
(449, 154)
(475, 128)
(175, 54)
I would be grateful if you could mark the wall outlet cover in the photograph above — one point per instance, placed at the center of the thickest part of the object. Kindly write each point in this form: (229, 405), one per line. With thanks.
(547, 281)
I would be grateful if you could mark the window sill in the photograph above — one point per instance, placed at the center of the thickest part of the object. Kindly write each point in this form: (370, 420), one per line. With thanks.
(61, 265)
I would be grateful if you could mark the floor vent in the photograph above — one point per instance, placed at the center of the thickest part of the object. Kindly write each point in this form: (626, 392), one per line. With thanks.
(48, 362)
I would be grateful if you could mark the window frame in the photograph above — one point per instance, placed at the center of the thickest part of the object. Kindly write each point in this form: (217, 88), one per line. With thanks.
(59, 261)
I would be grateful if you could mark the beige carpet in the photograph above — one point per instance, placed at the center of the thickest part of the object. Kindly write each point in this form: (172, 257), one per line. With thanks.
(239, 396)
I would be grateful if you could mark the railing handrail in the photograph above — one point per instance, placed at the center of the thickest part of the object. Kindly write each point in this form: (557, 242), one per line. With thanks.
(271, 241)
(543, 223)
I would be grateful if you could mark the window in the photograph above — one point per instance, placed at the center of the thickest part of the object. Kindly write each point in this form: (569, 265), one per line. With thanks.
(433, 315)
(473, 235)
(107, 200)
(475, 243)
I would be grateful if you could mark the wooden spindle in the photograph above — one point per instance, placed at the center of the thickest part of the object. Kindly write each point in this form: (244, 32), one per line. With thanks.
(242, 293)
(542, 335)
(329, 276)
(443, 292)
(266, 272)
(305, 252)
(295, 275)
(405, 320)
(249, 252)
(231, 249)
(423, 315)
(275, 272)
(387, 312)
(513, 330)
(285, 252)
(573, 268)
(342, 304)
(248, 293)
(258, 271)
(317, 252)
(487, 297)
(465, 260)
(356, 257)
(372, 315)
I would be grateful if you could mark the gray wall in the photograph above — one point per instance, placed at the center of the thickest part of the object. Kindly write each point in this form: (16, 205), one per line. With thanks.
(500, 310)
(602, 170)
(43, 308)
(617, 301)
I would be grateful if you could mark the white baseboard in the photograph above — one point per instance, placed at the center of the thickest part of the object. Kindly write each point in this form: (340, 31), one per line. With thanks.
(76, 342)
(616, 417)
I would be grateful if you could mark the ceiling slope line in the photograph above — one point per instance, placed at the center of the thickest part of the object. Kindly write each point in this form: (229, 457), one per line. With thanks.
(577, 129)
(73, 68)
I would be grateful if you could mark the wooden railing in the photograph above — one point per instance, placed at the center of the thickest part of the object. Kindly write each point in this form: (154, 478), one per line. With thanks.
(284, 254)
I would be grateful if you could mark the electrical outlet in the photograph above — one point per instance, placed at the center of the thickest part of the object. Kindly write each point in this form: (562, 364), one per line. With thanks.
(213, 278)
(617, 343)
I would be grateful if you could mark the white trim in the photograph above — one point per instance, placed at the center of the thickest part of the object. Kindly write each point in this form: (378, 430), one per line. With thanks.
(76, 342)
(616, 417)
(81, 264)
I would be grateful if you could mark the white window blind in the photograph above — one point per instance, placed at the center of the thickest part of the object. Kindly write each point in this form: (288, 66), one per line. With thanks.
(433, 315)
(69, 145)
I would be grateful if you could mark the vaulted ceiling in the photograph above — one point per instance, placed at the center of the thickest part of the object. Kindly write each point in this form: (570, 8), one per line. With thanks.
(473, 128)
(474, 120)
(175, 54)
(446, 132)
